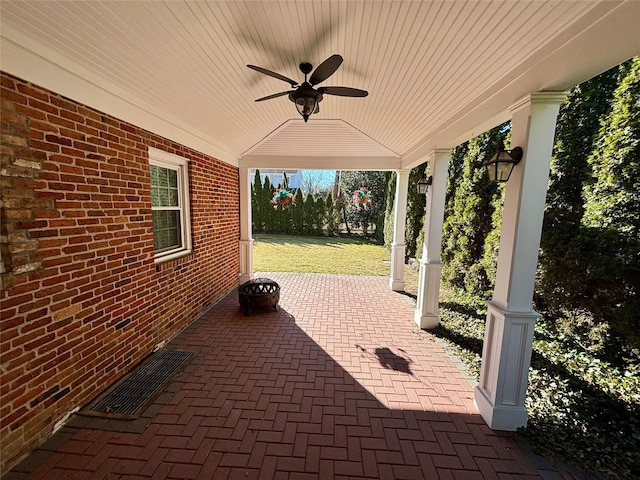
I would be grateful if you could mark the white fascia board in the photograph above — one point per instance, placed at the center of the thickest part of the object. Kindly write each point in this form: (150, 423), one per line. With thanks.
(27, 59)
(320, 163)
(452, 135)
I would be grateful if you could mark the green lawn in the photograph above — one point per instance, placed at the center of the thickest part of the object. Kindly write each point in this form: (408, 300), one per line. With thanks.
(581, 409)
(347, 255)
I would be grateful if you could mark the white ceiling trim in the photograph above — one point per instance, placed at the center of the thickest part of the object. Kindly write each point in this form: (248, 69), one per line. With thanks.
(320, 163)
(297, 138)
(25, 58)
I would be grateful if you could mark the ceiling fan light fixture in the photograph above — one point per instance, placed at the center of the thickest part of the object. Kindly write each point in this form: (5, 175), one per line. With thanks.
(306, 101)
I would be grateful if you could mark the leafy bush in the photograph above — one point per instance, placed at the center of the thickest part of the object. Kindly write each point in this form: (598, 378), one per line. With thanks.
(582, 409)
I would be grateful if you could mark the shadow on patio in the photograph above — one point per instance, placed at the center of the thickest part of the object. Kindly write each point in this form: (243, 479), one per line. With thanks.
(339, 383)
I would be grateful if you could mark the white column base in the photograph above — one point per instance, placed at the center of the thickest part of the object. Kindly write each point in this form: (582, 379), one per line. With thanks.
(396, 282)
(246, 261)
(506, 356)
(426, 314)
(499, 417)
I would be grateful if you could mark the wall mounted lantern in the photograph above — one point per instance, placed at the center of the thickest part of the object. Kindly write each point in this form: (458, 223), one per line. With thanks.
(423, 184)
(501, 164)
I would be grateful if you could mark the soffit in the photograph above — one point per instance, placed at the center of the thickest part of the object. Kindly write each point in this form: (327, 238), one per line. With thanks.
(436, 71)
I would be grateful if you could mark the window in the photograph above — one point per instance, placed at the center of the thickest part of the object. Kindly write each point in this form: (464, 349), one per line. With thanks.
(169, 205)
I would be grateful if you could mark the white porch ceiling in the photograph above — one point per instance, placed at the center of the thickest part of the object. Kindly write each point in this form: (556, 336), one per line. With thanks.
(437, 72)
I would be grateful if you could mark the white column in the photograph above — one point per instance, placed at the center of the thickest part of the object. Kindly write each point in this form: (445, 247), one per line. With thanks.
(426, 314)
(398, 248)
(246, 241)
(508, 337)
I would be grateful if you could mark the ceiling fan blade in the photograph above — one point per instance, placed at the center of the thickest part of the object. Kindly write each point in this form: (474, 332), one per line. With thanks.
(343, 91)
(325, 69)
(275, 95)
(274, 75)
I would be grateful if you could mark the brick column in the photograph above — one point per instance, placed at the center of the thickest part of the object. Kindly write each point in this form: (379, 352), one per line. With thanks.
(21, 208)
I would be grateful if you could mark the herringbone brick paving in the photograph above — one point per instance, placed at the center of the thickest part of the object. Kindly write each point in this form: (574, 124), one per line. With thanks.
(340, 383)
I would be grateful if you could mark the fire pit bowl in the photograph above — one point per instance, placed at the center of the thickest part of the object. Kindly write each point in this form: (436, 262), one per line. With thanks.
(259, 293)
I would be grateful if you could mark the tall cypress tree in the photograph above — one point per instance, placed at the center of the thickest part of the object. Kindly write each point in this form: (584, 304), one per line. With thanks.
(297, 214)
(612, 207)
(389, 210)
(310, 221)
(376, 183)
(380, 220)
(415, 211)
(257, 207)
(456, 165)
(268, 212)
(564, 256)
(320, 213)
(468, 227)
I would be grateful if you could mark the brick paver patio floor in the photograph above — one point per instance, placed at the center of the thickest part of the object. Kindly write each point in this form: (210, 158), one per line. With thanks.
(340, 383)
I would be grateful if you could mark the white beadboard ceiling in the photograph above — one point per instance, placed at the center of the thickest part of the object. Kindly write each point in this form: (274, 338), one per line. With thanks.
(437, 72)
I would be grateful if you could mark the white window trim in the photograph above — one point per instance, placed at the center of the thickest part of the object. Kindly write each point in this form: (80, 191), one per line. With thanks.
(163, 159)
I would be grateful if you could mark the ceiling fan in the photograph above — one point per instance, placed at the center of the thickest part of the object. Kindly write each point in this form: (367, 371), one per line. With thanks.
(305, 97)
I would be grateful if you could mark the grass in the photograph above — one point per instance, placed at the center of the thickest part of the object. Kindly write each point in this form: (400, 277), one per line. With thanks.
(346, 255)
(581, 409)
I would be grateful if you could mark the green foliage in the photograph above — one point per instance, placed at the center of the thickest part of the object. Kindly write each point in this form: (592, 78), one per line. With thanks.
(380, 226)
(590, 247)
(256, 207)
(469, 224)
(416, 204)
(582, 409)
(456, 168)
(319, 215)
(269, 214)
(612, 199)
(489, 261)
(309, 214)
(389, 211)
(456, 164)
(296, 214)
(332, 217)
(376, 182)
(565, 245)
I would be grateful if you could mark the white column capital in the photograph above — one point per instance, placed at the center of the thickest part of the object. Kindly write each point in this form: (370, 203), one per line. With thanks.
(439, 152)
(553, 98)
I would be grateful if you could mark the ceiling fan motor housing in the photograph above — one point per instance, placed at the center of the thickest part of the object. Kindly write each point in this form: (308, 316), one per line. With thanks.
(306, 67)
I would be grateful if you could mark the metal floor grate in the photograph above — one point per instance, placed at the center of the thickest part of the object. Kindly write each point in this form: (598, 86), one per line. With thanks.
(142, 385)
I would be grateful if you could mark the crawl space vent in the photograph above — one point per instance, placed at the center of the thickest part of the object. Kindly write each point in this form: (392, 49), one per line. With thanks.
(137, 390)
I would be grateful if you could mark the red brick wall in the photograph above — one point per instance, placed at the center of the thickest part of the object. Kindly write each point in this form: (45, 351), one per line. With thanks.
(81, 299)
